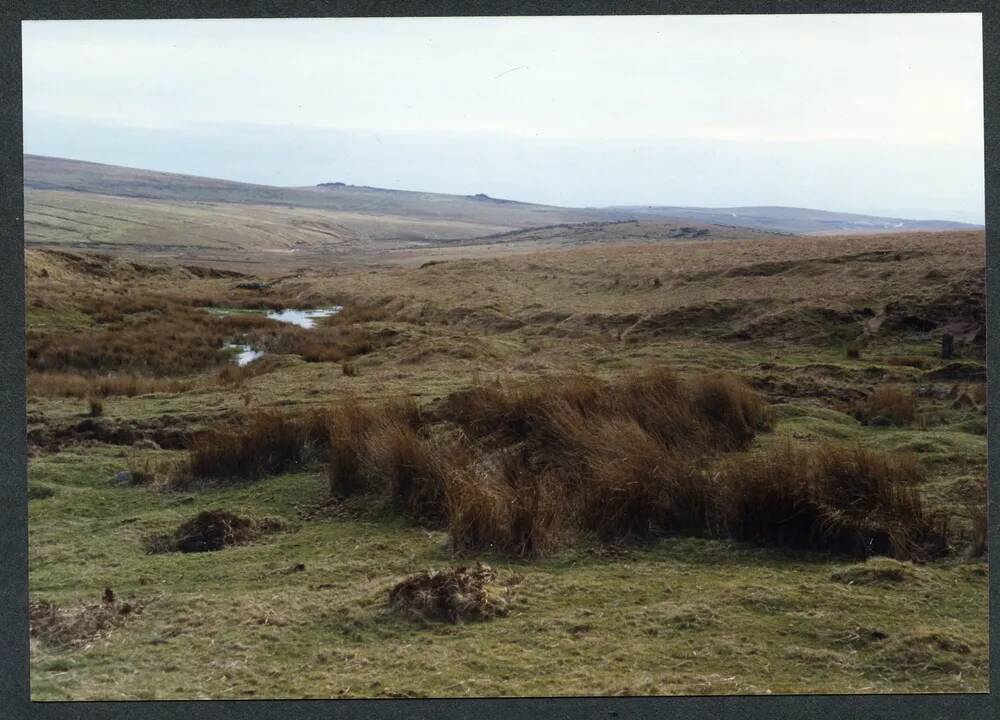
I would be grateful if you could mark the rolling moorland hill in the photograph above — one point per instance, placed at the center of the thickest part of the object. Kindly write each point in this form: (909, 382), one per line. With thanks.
(89, 206)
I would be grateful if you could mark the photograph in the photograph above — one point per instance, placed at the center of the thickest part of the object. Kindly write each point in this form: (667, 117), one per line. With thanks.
(505, 356)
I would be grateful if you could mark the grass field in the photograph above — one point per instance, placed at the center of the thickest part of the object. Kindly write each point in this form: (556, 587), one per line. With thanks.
(837, 339)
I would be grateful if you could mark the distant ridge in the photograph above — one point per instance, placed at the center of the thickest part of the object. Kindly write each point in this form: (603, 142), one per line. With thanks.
(795, 220)
(498, 215)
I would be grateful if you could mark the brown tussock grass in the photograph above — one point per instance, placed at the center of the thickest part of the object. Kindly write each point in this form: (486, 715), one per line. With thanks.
(265, 442)
(832, 498)
(527, 470)
(497, 504)
(411, 469)
(708, 411)
(76, 385)
(350, 426)
(887, 405)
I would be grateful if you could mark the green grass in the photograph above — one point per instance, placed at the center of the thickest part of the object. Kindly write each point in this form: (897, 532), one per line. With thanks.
(677, 616)
(41, 318)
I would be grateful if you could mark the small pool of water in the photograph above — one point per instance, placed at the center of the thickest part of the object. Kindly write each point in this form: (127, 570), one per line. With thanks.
(246, 354)
(303, 318)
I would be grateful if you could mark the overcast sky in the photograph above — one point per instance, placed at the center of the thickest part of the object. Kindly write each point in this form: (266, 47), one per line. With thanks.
(864, 113)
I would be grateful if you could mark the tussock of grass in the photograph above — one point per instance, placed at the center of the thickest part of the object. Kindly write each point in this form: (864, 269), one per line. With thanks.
(497, 504)
(168, 341)
(350, 423)
(832, 497)
(411, 469)
(709, 411)
(265, 442)
(334, 342)
(927, 649)
(634, 486)
(236, 375)
(210, 530)
(532, 468)
(618, 461)
(454, 596)
(876, 571)
(887, 405)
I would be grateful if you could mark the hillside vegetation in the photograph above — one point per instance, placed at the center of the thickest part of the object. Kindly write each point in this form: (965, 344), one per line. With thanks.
(704, 466)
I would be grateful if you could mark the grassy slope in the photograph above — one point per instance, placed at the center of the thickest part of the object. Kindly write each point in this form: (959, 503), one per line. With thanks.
(681, 616)
(677, 616)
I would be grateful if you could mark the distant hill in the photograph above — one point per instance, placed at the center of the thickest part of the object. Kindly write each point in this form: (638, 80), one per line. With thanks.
(800, 221)
(92, 206)
(46, 173)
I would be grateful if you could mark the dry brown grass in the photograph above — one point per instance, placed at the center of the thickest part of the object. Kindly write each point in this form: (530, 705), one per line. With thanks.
(236, 375)
(832, 498)
(174, 340)
(887, 405)
(265, 442)
(455, 595)
(619, 461)
(534, 467)
(632, 485)
(350, 425)
(716, 412)
(75, 627)
(412, 470)
(76, 385)
(326, 343)
(497, 504)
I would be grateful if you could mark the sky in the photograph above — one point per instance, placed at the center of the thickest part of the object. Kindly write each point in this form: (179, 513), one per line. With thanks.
(879, 114)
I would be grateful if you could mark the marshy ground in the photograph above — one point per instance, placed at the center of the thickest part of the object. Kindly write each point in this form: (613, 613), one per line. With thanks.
(613, 430)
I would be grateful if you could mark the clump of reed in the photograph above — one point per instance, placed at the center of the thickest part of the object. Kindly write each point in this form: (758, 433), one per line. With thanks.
(887, 405)
(717, 412)
(832, 498)
(264, 442)
(526, 470)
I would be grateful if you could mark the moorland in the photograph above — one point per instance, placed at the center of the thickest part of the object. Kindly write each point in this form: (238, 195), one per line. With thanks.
(570, 455)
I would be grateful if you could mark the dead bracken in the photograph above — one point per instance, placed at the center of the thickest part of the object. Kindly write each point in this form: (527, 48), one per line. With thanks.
(211, 530)
(454, 596)
(80, 625)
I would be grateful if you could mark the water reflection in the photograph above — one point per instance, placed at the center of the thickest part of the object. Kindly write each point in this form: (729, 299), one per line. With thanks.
(303, 318)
